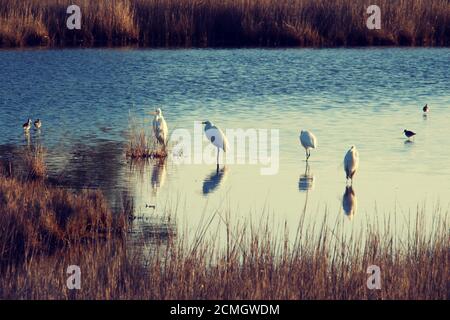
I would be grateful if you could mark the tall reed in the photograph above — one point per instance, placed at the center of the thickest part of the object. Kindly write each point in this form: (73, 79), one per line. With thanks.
(224, 23)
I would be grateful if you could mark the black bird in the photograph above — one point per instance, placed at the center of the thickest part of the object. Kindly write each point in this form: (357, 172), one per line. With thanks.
(409, 134)
(27, 125)
(425, 108)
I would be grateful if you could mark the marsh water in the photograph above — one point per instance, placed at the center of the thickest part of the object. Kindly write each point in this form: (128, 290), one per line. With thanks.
(361, 97)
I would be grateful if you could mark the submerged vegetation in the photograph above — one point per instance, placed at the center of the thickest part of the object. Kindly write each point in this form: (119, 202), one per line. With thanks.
(214, 23)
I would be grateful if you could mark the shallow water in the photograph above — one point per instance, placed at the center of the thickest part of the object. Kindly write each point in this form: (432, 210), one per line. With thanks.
(362, 97)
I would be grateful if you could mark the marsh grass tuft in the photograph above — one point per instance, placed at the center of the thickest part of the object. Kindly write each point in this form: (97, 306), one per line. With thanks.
(35, 163)
(141, 144)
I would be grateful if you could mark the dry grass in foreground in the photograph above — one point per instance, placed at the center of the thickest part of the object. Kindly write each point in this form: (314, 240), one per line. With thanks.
(252, 264)
(224, 23)
(36, 218)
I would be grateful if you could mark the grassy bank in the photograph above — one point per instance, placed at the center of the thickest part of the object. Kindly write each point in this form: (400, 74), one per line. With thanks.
(38, 218)
(214, 23)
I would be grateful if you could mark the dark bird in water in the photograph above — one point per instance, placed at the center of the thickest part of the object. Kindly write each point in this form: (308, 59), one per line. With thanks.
(409, 134)
(27, 125)
(426, 108)
(38, 124)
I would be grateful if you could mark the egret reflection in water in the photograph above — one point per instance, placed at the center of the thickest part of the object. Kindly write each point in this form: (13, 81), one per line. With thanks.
(159, 173)
(213, 180)
(349, 202)
(306, 180)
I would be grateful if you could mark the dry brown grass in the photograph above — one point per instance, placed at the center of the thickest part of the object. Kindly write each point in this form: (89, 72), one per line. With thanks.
(213, 23)
(253, 265)
(36, 218)
(35, 163)
(141, 144)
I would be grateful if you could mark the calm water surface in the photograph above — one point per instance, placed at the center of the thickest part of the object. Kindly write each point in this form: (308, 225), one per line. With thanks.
(362, 97)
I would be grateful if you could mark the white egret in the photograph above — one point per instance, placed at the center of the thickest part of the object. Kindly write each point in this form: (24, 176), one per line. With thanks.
(308, 141)
(160, 127)
(27, 125)
(217, 137)
(38, 124)
(351, 163)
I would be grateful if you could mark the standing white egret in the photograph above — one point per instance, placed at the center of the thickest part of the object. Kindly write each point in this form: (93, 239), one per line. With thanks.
(160, 127)
(217, 137)
(308, 141)
(351, 163)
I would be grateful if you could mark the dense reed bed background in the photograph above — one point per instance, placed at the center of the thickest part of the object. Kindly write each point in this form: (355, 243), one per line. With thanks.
(223, 23)
(45, 229)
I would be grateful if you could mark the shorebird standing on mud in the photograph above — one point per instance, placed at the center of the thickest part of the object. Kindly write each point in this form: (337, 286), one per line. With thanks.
(308, 141)
(426, 108)
(409, 134)
(351, 163)
(27, 125)
(38, 124)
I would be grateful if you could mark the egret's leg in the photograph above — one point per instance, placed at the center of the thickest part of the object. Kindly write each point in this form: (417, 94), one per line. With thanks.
(218, 150)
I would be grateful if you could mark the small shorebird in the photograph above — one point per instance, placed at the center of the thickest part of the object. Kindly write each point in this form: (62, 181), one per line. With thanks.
(217, 138)
(308, 141)
(409, 134)
(160, 127)
(351, 163)
(426, 108)
(27, 125)
(38, 124)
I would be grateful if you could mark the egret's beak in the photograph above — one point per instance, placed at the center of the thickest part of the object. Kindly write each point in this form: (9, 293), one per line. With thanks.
(203, 122)
(153, 113)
